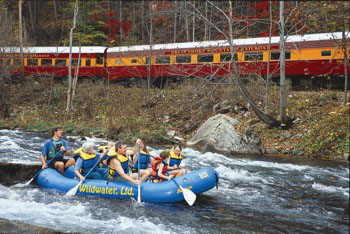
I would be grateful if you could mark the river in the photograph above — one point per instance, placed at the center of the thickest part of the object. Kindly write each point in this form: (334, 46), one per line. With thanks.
(255, 195)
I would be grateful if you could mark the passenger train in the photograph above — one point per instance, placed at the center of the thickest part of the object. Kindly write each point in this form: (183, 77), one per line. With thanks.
(307, 56)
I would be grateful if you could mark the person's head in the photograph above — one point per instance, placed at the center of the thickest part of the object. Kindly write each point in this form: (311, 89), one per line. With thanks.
(143, 146)
(121, 147)
(164, 154)
(88, 147)
(57, 131)
(177, 149)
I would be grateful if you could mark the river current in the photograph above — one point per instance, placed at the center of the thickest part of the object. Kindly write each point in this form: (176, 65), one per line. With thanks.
(255, 195)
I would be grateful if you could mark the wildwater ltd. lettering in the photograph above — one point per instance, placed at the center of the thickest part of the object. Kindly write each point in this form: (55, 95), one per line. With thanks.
(124, 191)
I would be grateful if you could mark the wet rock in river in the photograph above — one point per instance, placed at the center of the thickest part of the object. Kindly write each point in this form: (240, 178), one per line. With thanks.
(218, 134)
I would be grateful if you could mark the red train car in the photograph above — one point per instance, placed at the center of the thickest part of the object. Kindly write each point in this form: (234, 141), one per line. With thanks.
(54, 61)
(307, 55)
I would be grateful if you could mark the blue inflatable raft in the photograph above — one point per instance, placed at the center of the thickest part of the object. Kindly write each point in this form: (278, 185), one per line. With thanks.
(197, 181)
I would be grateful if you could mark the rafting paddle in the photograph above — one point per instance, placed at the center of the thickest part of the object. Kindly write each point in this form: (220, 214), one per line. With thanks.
(190, 197)
(74, 190)
(138, 167)
(30, 181)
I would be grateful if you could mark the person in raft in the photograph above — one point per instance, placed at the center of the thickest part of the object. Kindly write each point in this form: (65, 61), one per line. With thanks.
(174, 161)
(118, 165)
(52, 147)
(159, 167)
(145, 157)
(87, 159)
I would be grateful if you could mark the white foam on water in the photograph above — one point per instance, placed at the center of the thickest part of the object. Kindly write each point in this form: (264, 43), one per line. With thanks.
(331, 189)
(9, 145)
(72, 215)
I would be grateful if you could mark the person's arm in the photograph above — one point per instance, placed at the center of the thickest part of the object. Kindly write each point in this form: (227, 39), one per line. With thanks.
(116, 164)
(44, 152)
(135, 151)
(160, 174)
(65, 148)
(43, 162)
(77, 167)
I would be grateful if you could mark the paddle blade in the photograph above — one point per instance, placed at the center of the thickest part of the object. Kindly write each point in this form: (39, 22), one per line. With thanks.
(20, 185)
(73, 190)
(190, 197)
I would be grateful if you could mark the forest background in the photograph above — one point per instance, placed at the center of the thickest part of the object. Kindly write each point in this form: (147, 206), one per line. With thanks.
(102, 108)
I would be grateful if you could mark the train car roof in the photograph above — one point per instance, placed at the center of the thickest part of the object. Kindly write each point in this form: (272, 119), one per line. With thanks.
(237, 42)
(54, 50)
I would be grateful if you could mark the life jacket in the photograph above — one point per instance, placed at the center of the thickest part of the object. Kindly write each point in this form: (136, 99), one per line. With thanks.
(102, 150)
(144, 158)
(124, 161)
(154, 164)
(54, 149)
(175, 159)
(89, 160)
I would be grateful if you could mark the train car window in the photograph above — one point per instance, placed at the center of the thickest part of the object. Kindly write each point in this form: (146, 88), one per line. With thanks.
(60, 62)
(148, 60)
(7, 62)
(205, 58)
(276, 55)
(99, 59)
(75, 62)
(227, 57)
(257, 56)
(183, 59)
(87, 62)
(326, 53)
(118, 62)
(32, 62)
(133, 60)
(163, 60)
(17, 62)
(46, 62)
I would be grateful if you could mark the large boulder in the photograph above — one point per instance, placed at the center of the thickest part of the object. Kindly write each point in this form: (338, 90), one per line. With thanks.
(218, 134)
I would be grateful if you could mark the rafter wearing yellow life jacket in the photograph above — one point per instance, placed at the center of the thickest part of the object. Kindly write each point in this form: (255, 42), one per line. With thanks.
(174, 159)
(89, 160)
(145, 160)
(123, 159)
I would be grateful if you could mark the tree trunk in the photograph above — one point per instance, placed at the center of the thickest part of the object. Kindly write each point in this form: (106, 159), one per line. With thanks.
(283, 115)
(121, 19)
(20, 36)
(206, 23)
(75, 81)
(345, 95)
(268, 64)
(70, 88)
(186, 23)
(175, 13)
(31, 14)
(237, 79)
(143, 22)
(193, 24)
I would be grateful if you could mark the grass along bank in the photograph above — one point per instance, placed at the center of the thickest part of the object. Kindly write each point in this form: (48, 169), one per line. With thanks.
(110, 110)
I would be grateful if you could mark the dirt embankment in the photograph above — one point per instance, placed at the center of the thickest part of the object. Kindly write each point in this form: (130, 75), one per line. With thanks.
(111, 110)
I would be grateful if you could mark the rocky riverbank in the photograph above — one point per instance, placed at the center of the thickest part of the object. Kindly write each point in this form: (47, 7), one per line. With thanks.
(173, 114)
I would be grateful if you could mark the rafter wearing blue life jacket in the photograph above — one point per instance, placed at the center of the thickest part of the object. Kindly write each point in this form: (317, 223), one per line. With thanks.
(175, 159)
(123, 159)
(145, 160)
